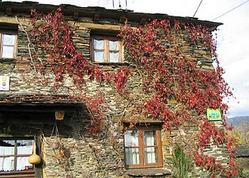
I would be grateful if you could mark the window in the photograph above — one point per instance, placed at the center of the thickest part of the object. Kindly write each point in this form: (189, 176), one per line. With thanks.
(107, 49)
(8, 44)
(143, 147)
(14, 155)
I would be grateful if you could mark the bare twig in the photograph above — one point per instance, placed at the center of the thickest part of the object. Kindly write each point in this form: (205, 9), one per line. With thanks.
(29, 43)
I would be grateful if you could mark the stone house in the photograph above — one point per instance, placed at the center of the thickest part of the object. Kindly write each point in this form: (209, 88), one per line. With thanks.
(31, 112)
(242, 158)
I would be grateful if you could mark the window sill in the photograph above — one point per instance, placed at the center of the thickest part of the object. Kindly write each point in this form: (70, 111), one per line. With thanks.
(148, 172)
(150, 166)
(7, 60)
(24, 173)
(112, 63)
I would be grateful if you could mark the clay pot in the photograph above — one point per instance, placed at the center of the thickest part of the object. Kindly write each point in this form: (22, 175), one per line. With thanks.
(34, 158)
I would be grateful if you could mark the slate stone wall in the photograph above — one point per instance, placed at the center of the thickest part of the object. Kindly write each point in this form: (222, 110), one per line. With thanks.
(85, 155)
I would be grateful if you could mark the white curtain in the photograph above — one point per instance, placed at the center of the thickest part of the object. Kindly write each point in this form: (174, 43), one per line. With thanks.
(132, 154)
(8, 42)
(99, 50)
(21, 150)
(7, 164)
(7, 160)
(6, 150)
(150, 155)
(149, 140)
(131, 138)
(22, 163)
(114, 51)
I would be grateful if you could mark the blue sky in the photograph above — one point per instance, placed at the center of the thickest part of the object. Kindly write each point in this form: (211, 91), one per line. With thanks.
(233, 36)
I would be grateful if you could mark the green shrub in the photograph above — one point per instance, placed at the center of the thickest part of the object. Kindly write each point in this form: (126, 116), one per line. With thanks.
(182, 163)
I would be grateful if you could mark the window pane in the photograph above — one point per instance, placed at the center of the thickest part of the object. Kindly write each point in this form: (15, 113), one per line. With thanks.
(132, 156)
(114, 57)
(149, 138)
(7, 164)
(149, 155)
(7, 147)
(98, 44)
(131, 138)
(8, 39)
(99, 56)
(113, 45)
(8, 52)
(24, 147)
(23, 164)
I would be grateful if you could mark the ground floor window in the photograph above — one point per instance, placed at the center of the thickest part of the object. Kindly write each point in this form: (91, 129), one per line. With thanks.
(143, 147)
(14, 153)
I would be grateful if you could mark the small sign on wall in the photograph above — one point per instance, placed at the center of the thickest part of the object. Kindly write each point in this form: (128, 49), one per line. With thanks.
(214, 114)
(4, 83)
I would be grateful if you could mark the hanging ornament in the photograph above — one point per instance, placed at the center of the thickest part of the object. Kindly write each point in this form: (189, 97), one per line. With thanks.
(34, 158)
(59, 115)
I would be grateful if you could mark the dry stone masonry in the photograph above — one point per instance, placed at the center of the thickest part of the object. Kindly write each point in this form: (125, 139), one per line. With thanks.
(79, 153)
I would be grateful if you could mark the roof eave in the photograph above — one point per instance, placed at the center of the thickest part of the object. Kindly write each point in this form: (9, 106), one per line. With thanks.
(72, 10)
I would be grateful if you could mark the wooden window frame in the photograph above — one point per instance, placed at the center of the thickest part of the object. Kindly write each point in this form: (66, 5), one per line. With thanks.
(141, 146)
(8, 32)
(106, 50)
(15, 172)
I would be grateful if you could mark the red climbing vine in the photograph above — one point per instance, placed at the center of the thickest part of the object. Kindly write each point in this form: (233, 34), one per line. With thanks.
(168, 54)
(52, 37)
(54, 51)
(177, 78)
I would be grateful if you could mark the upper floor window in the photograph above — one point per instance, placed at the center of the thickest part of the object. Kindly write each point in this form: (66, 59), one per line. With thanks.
(14, 155)
(106, 49)
(143, 147)
(7, 44)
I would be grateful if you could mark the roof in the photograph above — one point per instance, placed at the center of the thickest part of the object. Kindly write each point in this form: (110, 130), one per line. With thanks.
(28, 103)
(242, 151)
(36, 98)
(96, 13)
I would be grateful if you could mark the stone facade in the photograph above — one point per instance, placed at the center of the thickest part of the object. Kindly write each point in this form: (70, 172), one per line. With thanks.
(80, 154)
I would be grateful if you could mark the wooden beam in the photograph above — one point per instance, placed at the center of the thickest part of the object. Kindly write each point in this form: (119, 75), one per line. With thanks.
(84, 25)
(37, 109)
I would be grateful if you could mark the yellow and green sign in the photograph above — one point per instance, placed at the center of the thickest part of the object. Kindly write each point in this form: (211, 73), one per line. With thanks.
(214, 114)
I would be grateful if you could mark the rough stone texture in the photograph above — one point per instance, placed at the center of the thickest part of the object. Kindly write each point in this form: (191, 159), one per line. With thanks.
(85, 155)
(243, 166)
